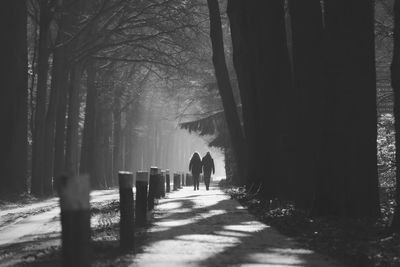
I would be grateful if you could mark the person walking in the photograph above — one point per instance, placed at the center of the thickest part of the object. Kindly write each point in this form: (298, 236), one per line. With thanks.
(195, 168)
(208, 167)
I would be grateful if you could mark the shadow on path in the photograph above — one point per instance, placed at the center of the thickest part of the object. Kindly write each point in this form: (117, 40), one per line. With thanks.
(210, 229)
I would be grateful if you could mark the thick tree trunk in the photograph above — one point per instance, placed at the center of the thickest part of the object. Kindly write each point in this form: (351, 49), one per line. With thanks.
(395, 68)
(225, 89)
(349, 179)
(72, 138)
(13, 98)
(241, 61)
(88, 164)
(307, 34)
(38, 155)
(262, 65)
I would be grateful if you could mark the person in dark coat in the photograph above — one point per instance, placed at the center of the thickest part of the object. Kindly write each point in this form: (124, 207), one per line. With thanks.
(195, 168)
(208, 167)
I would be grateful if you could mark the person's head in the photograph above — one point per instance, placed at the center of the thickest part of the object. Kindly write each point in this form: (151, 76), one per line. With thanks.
(196, 155)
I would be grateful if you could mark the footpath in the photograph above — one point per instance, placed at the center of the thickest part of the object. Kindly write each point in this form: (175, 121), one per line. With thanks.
(207, 228)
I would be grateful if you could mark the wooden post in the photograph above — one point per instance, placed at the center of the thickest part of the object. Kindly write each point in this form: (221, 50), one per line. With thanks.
(74, 194)
(183, 179)
(176, 181)
(180, 180)
(189, 180)
(153, 184)
(167, 181)
(142, 181)
(162, 183)
(158, 187)
(126, 206)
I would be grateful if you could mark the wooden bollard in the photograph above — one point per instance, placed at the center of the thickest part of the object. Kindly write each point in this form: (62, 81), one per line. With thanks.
(189, 181)
(162, 183)
(158, 187)
(183, 179)
(176, 181)
(126, 207)
(142, 181)
(167, 181)
(74, 196)
(153, 184)
(180, 180)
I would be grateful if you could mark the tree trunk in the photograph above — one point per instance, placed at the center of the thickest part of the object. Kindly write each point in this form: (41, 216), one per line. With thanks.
(59, 78)
(307, 33)
(225, 88)
(395, 68)
(108, 147)
(13, 98)
(262, 65)
(72, 137)
(38, 155)
(348, 184)
(59, 143)
(88, 164)
(241, 61)
(116, 134)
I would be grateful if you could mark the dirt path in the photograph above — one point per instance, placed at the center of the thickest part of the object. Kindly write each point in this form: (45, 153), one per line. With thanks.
(207, 228)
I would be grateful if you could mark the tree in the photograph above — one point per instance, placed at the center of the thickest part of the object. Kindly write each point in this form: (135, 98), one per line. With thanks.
(225, 88)
(348, 184)
(88, 156)
(262, 66)
(307, 44)
(72, 135)
(395, 77)
(40, 186)
(241, 61)
(13, 98)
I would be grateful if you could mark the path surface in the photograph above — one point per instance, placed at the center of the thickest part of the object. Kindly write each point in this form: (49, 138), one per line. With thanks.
(207, 228)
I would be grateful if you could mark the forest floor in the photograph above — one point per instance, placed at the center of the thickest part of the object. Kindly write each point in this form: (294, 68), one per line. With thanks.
(357, 243)
(189, 228)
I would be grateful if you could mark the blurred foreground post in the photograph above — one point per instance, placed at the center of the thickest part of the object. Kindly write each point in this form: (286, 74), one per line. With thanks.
(126, 206)
(153, 184)
(142, 181)
(167, 181)
(75, 219)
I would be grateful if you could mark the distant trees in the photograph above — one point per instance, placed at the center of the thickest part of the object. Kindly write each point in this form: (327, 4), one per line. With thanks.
(89, 62)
